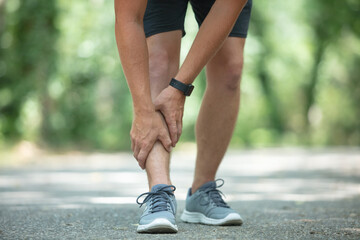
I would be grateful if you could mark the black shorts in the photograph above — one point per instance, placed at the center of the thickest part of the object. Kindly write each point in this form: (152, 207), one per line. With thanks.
(169, 15)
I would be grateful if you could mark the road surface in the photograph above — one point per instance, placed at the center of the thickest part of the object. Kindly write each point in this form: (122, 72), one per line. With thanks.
(280, 193)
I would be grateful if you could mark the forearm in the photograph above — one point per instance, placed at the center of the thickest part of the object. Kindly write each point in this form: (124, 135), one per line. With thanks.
(212, 33)
(133, 53)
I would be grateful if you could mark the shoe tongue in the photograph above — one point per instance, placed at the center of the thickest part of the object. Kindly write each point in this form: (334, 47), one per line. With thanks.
(165, 187)
(211, 184)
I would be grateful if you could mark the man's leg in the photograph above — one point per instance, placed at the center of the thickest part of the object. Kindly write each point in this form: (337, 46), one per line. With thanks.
(164, 53)
(219, 109)
(214, 128)
(159, 214)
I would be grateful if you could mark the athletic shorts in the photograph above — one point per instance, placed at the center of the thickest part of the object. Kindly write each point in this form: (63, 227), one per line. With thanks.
(169, 15)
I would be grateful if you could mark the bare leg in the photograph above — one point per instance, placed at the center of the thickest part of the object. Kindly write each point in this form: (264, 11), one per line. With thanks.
(219, 109)
(164, 52)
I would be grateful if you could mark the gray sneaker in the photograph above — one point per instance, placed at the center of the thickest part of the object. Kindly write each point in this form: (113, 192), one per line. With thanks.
(206, 206)
(160, 210)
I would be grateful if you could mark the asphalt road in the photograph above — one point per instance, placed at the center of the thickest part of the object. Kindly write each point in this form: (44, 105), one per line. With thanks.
(280, 193)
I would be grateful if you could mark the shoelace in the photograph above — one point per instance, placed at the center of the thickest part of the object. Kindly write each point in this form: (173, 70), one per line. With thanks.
(159, 199)
(215, 195)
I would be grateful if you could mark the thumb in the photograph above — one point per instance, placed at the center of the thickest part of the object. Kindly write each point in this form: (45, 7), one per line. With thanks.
(157, 104)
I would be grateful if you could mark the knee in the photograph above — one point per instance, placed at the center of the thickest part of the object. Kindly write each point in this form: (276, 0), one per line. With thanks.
(232, 71)
(225, 75)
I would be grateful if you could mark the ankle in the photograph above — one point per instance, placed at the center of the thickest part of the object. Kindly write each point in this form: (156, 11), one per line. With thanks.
(198, 182)
(156, 182)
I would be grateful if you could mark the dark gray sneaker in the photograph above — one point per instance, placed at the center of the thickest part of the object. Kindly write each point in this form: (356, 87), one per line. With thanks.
(206, 206)
(160, 210)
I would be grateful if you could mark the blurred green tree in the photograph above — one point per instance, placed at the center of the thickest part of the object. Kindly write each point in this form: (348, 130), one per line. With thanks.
(30, 39)
(61, 82)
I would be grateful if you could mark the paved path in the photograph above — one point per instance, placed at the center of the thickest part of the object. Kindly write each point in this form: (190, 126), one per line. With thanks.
(281, 194)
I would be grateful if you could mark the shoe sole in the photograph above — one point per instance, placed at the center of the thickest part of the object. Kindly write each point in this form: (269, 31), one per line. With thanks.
(196, 217)
(160, 225)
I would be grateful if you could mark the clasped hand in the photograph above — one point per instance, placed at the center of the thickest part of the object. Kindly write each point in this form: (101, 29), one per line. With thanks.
(147, 128)
(170, 103)
(164, 124)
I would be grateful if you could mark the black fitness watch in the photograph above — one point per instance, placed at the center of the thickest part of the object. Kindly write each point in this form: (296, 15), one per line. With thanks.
(186, 89)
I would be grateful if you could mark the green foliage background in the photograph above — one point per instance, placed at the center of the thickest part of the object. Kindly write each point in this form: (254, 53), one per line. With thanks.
(62, 86)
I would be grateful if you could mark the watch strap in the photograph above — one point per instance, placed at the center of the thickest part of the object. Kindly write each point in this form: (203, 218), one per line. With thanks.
(186, 89)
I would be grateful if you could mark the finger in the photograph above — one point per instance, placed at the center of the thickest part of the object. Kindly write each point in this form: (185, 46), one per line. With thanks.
(132, 141)
(173, 134)
(171, 125)
(165, 140)
(136, 151)
(141, 164)
(172, 130)
(145, 150)
(157, 105)
(180, 124)
(140, 159)
(179, 130)
(132, 144)
(143, 155)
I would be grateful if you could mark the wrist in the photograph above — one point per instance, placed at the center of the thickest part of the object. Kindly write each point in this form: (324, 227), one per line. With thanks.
(176, 93)
(185, 89)
(143, 109)
(183, 79)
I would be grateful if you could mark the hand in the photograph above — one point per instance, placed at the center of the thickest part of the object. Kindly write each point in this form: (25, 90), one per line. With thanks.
(146, 129)
(171, 104)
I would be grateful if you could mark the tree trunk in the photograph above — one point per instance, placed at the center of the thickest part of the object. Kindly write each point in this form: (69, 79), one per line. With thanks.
(31, 61)
(309, 90)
